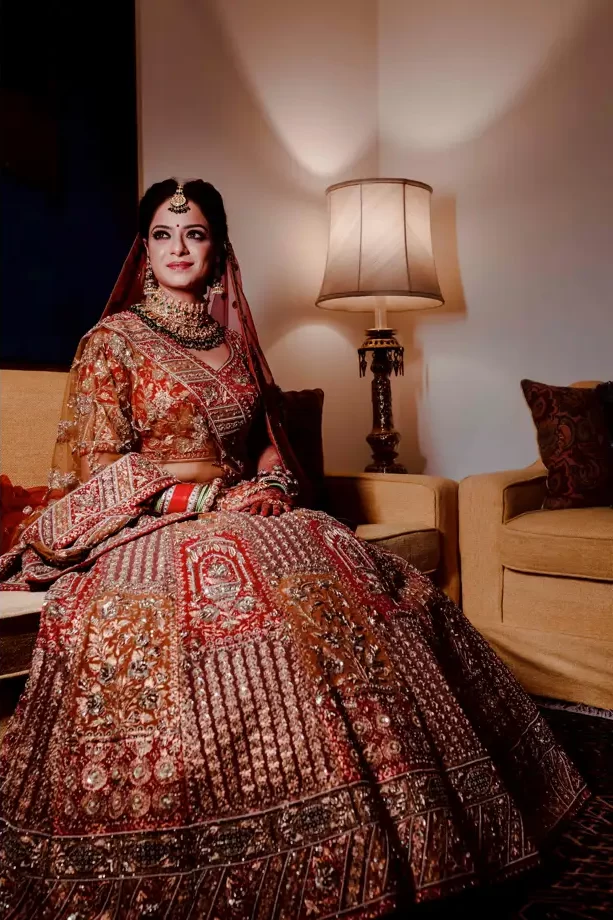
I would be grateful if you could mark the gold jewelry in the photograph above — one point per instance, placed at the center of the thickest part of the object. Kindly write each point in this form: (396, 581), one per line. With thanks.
(178, 202)
(189, 324)
(217, 287)
(150, 283)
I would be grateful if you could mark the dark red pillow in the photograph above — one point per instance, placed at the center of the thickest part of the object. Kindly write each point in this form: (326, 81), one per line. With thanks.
(573, 443)
(302, 416)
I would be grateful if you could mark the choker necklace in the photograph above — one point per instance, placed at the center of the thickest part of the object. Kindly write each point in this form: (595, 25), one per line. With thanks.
(187, 323)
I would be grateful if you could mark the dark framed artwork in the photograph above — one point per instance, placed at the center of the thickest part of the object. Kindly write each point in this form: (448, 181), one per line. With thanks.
(69, 171)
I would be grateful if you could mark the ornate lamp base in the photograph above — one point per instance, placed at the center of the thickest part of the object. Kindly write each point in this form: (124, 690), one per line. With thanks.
(387, 356)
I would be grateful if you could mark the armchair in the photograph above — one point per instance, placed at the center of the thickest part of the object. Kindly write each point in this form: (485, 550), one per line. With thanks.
(538, 584)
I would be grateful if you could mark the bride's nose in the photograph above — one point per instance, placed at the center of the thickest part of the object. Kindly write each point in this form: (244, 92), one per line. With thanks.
(178, 247)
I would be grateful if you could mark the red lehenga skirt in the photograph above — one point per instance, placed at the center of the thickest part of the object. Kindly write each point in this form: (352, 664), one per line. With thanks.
(238, 717)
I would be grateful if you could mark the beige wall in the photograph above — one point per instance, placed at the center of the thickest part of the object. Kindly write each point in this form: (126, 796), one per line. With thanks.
(272, 101)
(505, 108)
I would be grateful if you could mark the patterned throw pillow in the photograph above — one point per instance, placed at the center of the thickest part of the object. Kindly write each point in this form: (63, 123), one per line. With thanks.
(574, 445)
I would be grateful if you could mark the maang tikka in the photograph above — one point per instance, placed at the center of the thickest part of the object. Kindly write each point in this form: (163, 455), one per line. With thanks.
(178, 202)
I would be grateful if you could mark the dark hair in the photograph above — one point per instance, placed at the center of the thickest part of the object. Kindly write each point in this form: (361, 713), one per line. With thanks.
(201, 193)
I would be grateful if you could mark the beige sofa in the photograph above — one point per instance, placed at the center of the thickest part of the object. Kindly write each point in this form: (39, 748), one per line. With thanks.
(539, 584)
(414, 516)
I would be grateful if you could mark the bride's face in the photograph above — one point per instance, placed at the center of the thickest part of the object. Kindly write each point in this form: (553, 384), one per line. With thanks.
(181, 250)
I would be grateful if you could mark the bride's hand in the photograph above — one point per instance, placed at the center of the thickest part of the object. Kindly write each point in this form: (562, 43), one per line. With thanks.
(247, 498)
(270, 507)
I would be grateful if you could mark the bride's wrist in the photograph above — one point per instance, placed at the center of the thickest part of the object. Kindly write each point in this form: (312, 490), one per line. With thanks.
(196, 498)
(277, 477)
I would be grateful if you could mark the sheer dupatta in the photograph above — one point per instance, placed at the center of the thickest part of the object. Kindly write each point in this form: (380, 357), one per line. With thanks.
(230, 309)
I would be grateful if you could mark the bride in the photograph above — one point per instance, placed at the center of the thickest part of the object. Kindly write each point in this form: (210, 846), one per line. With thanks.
(236, 708)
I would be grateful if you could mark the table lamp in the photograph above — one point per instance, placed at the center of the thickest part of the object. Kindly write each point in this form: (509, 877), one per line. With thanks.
(380, 259)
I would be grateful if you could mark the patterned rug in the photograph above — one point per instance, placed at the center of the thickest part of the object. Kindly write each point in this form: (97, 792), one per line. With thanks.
(578, 876)
(576, 880)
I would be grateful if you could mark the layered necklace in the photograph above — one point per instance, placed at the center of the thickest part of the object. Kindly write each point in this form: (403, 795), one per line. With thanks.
(189, 324)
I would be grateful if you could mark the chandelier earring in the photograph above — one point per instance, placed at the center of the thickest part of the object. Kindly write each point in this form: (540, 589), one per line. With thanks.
(150, 283)
(217, 286)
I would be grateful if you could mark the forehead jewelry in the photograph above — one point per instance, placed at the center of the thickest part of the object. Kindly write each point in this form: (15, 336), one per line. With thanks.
(178, 202)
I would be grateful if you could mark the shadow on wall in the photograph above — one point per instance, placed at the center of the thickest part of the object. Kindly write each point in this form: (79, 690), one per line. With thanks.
(410, 391)
(220, 98)
(521, 214)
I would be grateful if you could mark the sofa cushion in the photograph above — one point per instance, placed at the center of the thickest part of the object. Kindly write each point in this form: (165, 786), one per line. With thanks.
(18, 603)
(573, 441)
(419, 544)
(575, 542)
(19, 618)
(561, 606)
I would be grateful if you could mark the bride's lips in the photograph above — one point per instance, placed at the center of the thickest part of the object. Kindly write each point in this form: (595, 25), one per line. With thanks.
(180, 266)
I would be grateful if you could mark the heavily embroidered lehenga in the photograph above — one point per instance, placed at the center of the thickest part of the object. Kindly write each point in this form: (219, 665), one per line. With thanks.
(232, 716)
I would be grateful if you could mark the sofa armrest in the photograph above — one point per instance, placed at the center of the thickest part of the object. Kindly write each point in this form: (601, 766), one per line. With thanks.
(385, 498)
(486, 502)
(506, 494)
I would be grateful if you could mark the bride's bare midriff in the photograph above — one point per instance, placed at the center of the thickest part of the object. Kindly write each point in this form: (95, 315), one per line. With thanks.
(185, 470)
(192, 470)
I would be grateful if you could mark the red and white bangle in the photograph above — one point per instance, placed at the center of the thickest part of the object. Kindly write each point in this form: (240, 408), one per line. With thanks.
(187, 496)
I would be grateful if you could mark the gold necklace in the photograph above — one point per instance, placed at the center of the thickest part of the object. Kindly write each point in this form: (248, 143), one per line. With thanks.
(189, 324)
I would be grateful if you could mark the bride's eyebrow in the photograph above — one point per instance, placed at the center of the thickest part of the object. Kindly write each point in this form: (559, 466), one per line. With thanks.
(186, 227)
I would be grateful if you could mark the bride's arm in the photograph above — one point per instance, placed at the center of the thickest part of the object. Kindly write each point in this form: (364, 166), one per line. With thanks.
(269, 458)
(102, 432)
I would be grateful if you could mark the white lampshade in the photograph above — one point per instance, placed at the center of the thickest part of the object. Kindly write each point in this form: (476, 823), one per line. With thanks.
(380, 248)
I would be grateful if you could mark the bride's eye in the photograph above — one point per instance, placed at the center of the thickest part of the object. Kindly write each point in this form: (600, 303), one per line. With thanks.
(198, 235)
(160, 235)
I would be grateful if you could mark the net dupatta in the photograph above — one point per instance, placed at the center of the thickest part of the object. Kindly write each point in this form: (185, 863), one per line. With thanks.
(230, 309)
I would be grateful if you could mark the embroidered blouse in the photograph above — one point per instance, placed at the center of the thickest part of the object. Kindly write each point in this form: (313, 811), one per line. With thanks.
(140, 391)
